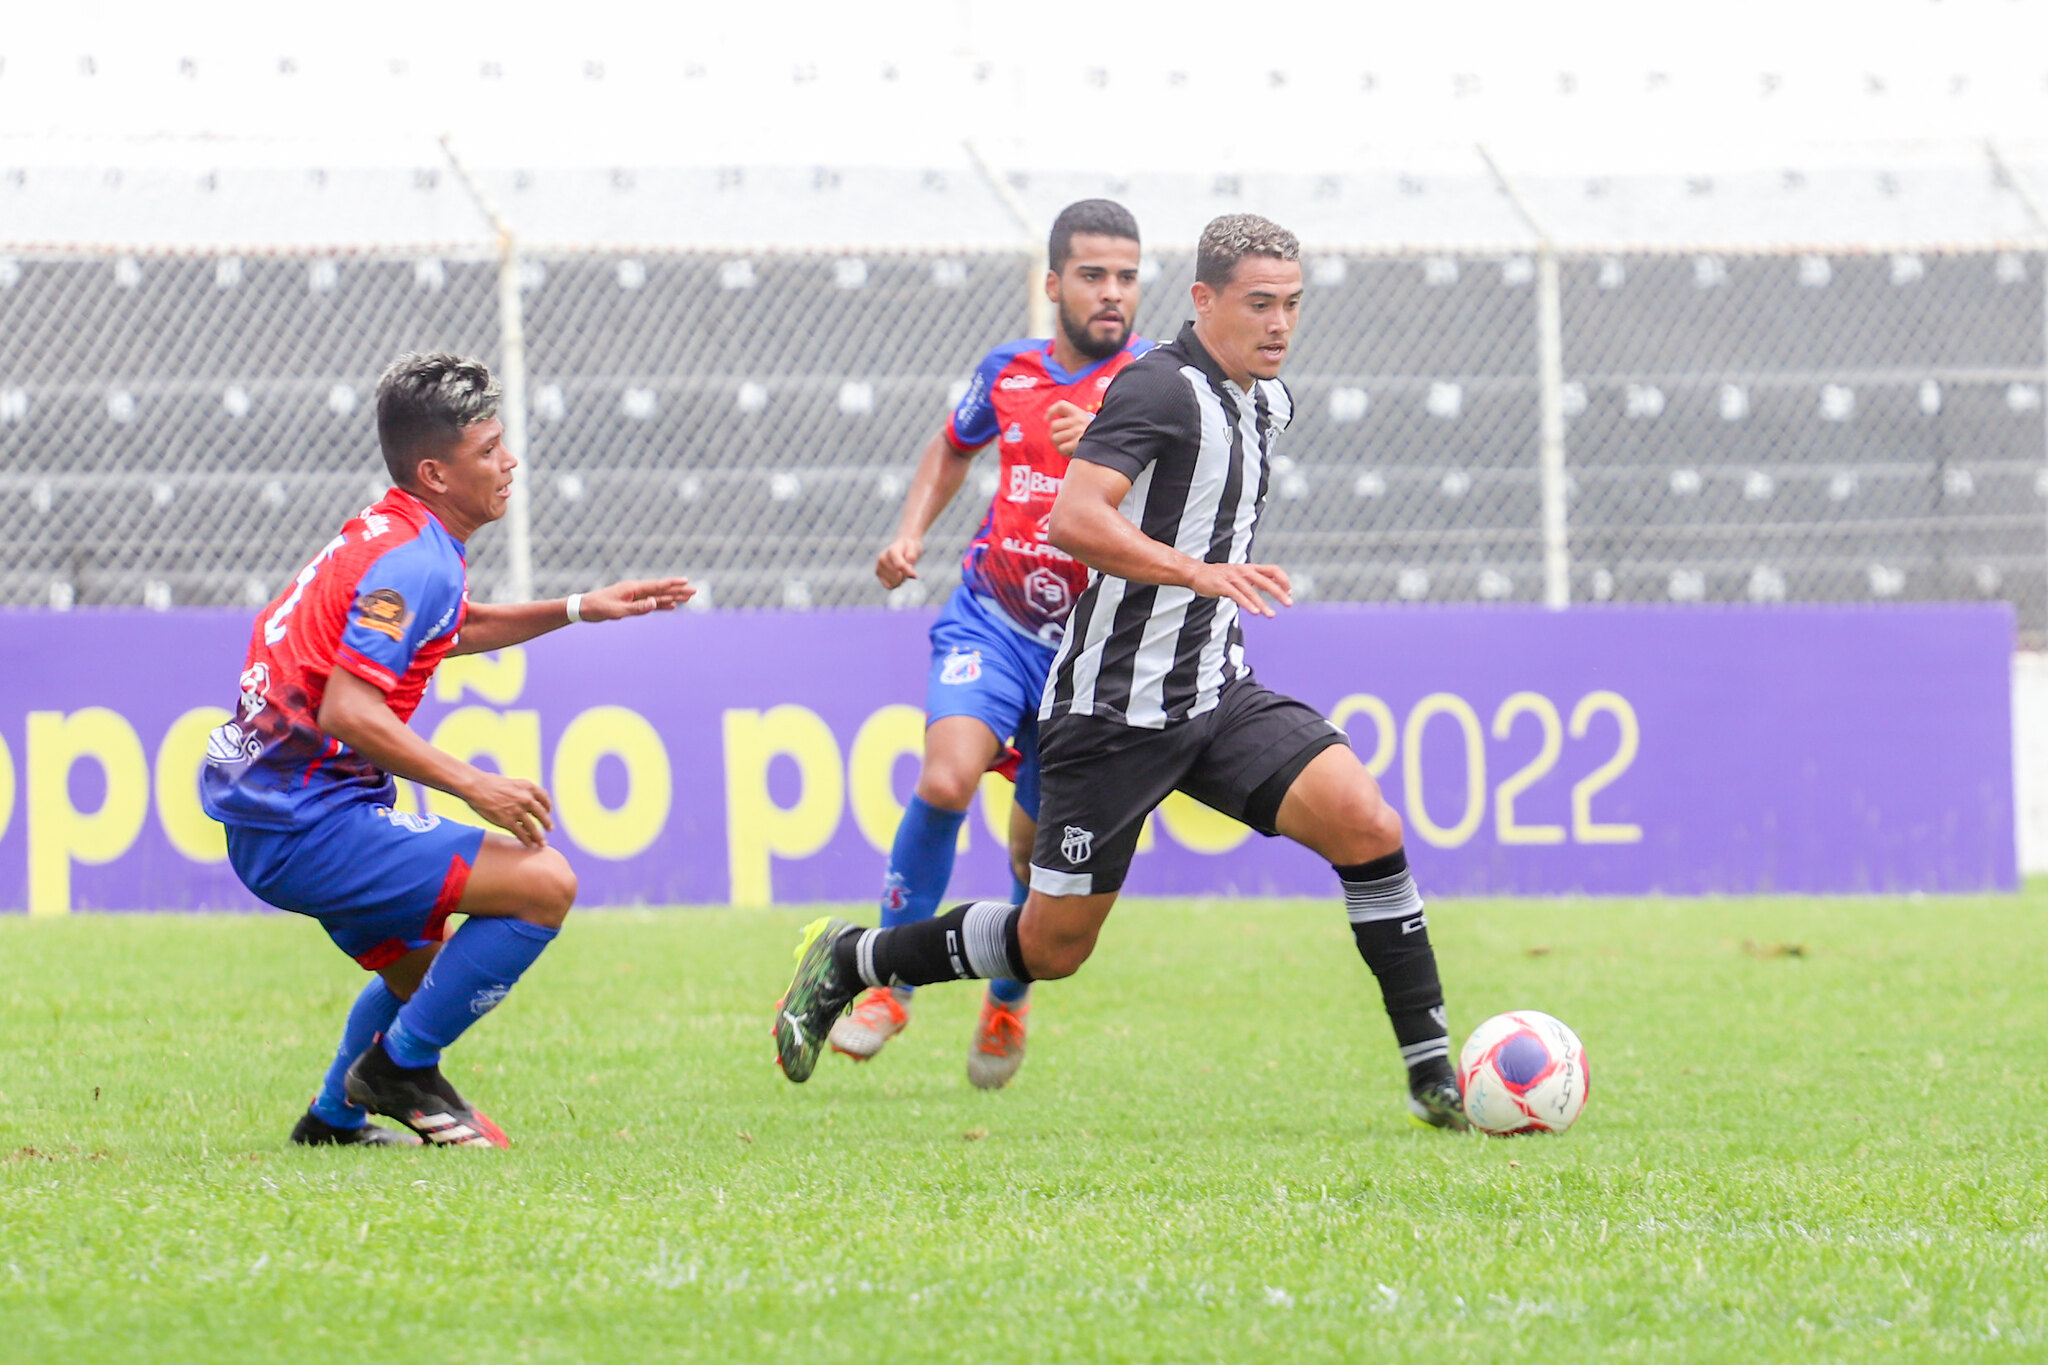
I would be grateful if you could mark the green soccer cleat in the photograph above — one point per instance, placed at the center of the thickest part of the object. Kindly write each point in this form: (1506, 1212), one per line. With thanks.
(1437, 1103)
(817, 996)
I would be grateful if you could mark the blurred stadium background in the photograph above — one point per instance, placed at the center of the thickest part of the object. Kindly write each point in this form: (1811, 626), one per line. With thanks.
(1756, 315)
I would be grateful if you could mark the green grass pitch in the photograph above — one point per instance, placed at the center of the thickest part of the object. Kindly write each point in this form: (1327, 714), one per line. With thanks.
(1815, 1134)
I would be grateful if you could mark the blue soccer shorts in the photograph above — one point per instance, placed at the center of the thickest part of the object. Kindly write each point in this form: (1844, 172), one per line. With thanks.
(381, 882)
(988, 669)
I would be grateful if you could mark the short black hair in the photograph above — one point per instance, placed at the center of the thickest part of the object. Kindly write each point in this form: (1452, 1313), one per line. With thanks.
(1102, 217)
(1234, 236)
(424, 401)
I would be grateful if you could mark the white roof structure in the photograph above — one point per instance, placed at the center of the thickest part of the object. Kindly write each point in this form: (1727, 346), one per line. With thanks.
(966, 122)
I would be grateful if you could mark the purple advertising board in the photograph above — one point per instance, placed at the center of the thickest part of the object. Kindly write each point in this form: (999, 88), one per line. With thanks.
(750, 758)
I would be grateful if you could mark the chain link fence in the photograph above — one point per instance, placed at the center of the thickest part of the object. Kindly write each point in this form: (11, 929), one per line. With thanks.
(1742, 427)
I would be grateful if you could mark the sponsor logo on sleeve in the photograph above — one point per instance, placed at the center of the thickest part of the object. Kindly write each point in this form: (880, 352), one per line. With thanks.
(977, 390)
(383, 611)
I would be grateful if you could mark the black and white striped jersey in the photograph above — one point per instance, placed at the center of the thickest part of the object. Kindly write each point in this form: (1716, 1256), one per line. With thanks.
(1197, 450)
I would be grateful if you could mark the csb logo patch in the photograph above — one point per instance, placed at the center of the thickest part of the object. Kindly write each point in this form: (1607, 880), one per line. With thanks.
(1076, 844)
(961, 666)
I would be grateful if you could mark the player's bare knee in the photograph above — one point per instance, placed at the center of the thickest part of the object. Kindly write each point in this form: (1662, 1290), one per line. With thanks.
(947, 788)
(1054, 961)
(1382, 826)
(551, 889)
(1363, 830)
(1050, 957)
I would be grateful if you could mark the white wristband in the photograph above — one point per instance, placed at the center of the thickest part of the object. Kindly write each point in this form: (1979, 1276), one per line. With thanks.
(575, 605)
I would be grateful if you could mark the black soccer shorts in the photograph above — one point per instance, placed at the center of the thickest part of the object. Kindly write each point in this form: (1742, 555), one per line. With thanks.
(1101, 778)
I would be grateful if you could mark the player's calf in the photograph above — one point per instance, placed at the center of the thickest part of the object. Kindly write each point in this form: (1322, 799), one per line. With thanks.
(1334, 807)
(516, 900)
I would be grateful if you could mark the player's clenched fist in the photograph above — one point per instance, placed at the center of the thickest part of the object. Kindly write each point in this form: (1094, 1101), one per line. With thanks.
(515, 805)
(899, 561)
(1244, 584)
(636, 597)
(1067, 421)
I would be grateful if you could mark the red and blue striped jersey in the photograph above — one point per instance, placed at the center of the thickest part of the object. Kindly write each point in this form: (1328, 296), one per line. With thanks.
(1010, 562)
(384, 601)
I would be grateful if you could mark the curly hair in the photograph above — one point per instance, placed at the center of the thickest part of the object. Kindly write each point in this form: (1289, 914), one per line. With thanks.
(1234, 236)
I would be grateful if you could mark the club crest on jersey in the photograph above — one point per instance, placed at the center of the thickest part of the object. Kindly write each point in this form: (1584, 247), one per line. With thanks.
(1014, 433)
(383, 611)
(225, 745)
(405, 819)
(255, 689)
(1076, 844)
(961, 666)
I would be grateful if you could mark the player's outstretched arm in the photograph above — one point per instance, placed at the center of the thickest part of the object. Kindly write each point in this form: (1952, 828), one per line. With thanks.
(1088, 524)
(940, 472)
(495, 625)
(354, 712)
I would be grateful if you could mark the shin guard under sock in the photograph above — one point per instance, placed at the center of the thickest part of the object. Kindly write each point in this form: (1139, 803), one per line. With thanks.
(1392, 933)
(976, 940)
(371, 1014)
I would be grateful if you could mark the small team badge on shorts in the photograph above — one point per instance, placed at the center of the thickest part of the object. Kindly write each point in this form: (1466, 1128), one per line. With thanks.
(405, 819)
(961, 666)
(1076, 844)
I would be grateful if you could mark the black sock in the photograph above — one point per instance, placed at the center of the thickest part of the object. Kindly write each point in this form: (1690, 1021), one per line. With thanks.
(1392, 931)
(975, 940)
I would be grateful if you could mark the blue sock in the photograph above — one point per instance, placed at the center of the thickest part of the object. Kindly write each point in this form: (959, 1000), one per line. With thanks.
(1009, 990)
(920, 863)
(475, 968)
(371, 1014)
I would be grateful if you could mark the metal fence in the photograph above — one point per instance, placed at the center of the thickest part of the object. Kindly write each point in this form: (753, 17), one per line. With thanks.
(1736, 427)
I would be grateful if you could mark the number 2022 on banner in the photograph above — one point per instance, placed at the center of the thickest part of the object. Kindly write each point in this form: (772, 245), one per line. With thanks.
(1406, 739)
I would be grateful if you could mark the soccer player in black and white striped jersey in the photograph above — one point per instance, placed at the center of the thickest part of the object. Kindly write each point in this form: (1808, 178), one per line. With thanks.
(1150, 692)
